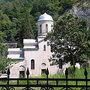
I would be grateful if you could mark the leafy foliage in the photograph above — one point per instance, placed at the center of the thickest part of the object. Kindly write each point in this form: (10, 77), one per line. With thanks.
(20, 16)
(4, 62)
(70, 40)
(18, 21)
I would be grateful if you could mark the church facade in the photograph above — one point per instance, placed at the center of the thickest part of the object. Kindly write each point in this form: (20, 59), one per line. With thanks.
(35, 54)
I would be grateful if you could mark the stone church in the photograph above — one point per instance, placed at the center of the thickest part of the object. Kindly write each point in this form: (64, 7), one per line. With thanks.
(35, 54)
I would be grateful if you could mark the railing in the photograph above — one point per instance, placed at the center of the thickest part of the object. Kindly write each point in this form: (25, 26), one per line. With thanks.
(44, 83)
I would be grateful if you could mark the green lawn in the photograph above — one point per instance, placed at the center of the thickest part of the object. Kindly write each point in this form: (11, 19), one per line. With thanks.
(79, 73)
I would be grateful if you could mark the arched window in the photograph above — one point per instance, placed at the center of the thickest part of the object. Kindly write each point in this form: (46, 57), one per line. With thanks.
(44, 47)
(40, 29)
(32, 64)
(46, 28)
(22, 71)
(44, 64)
(51, 27)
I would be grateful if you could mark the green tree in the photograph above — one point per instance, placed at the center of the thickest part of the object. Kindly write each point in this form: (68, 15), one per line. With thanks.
(21, 16)
(22, 23)
(52, 7)
(3, 49)
(70, 40)
(2, 45)
(7, 26)
(4, 62)
(25, 24)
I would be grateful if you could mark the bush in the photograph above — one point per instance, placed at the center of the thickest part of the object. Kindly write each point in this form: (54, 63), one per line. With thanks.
(71, 71)
(85, 64)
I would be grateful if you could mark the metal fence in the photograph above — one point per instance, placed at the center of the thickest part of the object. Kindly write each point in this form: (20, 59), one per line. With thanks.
(44, 83)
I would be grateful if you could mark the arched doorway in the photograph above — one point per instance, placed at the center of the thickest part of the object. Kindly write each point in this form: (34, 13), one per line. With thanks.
(43, 70)
(22, 71)
(32, 64)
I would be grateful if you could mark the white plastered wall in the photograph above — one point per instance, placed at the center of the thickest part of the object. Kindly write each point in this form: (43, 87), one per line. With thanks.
(43, 23)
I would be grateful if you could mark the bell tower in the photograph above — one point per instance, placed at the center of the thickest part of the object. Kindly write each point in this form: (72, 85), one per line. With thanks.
(45, 24)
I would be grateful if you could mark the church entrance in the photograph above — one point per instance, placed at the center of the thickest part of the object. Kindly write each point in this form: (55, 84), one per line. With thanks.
(43, 71)
(21, 74)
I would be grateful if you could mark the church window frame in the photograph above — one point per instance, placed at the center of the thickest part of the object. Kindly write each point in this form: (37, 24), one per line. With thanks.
(52, 27)
(44, 47)
(46, 28)
(40, 29)
(32, 64)
(43, 64)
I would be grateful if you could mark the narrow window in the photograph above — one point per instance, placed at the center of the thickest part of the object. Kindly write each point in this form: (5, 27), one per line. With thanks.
(48, 43)
(46, 28)
(40, 29)
(44, 47)
(51, 27)
(32, 64)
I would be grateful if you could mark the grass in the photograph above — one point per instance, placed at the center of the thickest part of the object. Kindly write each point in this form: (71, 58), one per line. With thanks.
(79, 74)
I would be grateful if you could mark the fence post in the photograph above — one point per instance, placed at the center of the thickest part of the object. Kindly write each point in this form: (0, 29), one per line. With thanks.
(47, 73)
(27, 73)
(66, 74)
(85, 73)
(8, 73)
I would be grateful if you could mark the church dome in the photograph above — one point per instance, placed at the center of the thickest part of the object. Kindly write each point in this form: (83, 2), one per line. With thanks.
(45, 16)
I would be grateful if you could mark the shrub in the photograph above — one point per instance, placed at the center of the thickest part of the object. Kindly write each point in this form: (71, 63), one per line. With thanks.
(71, 71)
